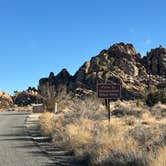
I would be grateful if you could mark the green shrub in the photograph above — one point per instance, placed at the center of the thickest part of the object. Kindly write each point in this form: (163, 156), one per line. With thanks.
(154, 96)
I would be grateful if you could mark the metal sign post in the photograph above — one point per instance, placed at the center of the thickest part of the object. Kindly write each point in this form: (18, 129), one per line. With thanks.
(109, 92)
(109, 111)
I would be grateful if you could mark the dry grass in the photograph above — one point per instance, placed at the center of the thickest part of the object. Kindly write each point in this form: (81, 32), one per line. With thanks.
(23, 109)
(159, 159)
(18, 109)
(132, 138)
(159, 110)
(47, 124)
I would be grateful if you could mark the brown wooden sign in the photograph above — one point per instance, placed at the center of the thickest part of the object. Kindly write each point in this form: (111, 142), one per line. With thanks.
(109, 91)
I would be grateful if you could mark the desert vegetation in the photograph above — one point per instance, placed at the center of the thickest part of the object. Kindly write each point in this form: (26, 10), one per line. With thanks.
(135, 136)
(155, 95)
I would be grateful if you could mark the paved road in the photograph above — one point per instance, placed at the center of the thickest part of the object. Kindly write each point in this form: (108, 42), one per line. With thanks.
(16, 148)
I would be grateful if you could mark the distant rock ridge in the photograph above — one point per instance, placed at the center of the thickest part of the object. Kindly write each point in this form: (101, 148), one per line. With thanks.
(28, 97)
(119, 63)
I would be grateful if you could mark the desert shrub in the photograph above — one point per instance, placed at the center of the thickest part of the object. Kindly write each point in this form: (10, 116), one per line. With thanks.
(163, 97)
(117, 158)
(159, 110)
(62, 100)
(159, 158)
(141, 133)
(139, 103)
(150, 137)
(128, 140)
(47, 124)
(154, 96)
(126, 109)
(49, 104)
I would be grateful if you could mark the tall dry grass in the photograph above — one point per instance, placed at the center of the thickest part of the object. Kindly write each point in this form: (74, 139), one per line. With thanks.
(47, 123)
(132, 138)
(159, 158)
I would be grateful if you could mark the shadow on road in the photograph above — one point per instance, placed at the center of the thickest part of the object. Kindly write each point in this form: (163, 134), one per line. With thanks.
(17, 137)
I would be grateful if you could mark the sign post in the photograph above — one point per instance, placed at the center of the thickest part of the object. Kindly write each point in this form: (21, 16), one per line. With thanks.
(109, 92)
(56, 108)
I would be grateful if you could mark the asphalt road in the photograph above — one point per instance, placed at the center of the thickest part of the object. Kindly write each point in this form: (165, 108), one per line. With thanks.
(16, 147)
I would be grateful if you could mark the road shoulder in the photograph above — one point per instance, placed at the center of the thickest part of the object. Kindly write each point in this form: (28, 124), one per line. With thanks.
(57, 154)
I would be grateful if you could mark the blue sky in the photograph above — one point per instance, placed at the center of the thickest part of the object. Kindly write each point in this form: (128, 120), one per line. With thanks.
(39, 36)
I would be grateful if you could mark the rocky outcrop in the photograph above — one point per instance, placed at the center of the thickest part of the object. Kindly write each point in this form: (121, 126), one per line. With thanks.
(118, 64)
(53, 85)
(28, 97)
(122, 50)
(5, 100)
(155, 61)
(127, 59)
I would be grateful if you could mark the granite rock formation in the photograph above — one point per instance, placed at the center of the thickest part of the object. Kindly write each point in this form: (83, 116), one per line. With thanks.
(118, 64)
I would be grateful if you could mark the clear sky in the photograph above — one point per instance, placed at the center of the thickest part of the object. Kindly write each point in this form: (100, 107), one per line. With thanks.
(39, 36)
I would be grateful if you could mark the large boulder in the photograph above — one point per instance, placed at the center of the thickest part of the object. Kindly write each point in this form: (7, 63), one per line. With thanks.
(5, 100)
